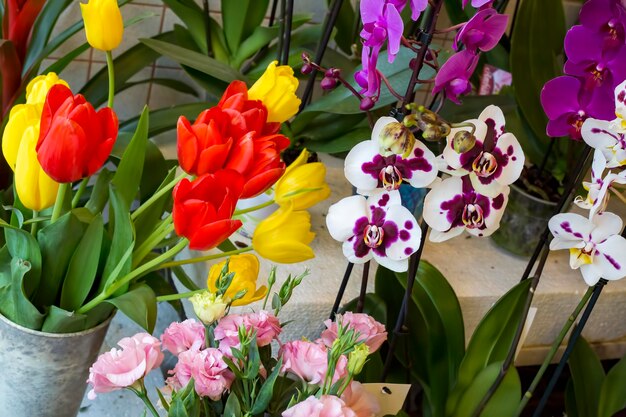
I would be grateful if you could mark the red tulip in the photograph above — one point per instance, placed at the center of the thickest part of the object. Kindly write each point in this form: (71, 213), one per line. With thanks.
(203, 208)
(233, 135)
(74, 139)
(19, 18)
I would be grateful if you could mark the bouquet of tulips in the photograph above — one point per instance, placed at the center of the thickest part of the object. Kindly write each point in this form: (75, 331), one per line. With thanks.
(85, 229)
(226, 368)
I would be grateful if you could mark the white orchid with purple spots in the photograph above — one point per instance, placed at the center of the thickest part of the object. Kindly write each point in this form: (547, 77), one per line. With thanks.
(368, 170)
(454, 206)
(495, 161)
(595, 246)
(599, 186)
(377, 227)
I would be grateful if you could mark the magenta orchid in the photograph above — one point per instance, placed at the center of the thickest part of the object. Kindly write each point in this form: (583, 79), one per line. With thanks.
(453, 76)
(453, 206)
(595, 246)
(377, 227)
(495, 161)
(482, 32)
(477, 3)
(607, 18)
(368, 170)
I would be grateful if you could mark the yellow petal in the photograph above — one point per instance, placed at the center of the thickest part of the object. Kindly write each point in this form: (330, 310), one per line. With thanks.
(20, 118)
(37, 89)
(104, 26)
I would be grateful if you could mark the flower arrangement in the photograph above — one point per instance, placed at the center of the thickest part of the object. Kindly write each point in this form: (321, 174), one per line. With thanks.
(226, 367)
(84, 227)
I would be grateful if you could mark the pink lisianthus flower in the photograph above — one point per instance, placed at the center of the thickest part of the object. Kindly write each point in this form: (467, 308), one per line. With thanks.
(326, 406)
(360, 401)
(371, 332)
(122, 368)
(207, 368)
(309, 361)
(265, 324)
(180, 337)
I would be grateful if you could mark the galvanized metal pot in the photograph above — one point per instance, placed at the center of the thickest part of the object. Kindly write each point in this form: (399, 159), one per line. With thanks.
(45, 374)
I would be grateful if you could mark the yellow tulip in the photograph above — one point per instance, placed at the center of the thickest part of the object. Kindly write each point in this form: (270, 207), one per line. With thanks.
(302, 183)
(104, 26)
(37, 89)
(246, 269)
(285, 236)
(21, 117)
(277, 90)
(36, 190)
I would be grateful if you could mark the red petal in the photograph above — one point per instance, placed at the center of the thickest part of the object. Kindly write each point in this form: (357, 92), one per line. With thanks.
(235, 96)
(261, 182)
(242, 154)
(213, 234)
(213, 158)
(187, 145)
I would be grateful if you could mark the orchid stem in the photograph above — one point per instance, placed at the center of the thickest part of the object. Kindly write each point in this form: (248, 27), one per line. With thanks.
(147, 267)
(254, 208)
(58, 204)
(156, 196)
(81, 189)
(111, 72)
(204, 258)
(553, 350)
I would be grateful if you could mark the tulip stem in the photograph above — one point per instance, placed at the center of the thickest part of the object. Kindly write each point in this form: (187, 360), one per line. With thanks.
(152, 265)
(254, 208)
(111, 72)
(60, 201)
(204, 258)
(179, 296)
(156, 196)
(159, 233)
(33, 226)
(80, 191)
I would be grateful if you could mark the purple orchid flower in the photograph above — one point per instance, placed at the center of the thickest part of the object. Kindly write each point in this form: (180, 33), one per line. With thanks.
(608, 19)
(381, 22)
(495, 161)
(477, 3)
(483, 31)
(378, 227)
(417, 7)
(453, 76)
(368, 78)
(567, 107)
(453, 206)
(368, 170)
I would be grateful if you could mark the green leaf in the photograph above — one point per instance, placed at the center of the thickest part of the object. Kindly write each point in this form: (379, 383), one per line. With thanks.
(535, 49)
(184, 279)
(266, 391)
(163, 120)
(100, 192)
(63, 321)
(14, 303)
(490, 342)
(81, 272)
(148, 220)
(128, 175)
(613, 390)
(232, 407)
(504, 401)
(193, 17)
(122, 241)
(175, 85)
(342, 101)
(185, 402)
(570, 400)
(139, 305)
(343, 143)
(587, 378)
(57, 242)
(23, 245)
(194, 60)
(240, 18)
(345, 36)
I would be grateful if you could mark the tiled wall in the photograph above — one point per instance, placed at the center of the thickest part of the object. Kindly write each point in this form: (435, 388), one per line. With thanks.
(158, 19)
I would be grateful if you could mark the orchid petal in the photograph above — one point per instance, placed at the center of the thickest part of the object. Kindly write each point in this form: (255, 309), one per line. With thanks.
(343, 215)
(434, 215)
(379, 126)
(353, 169)
(591, 274)
(509, 146)
(409, 233)
(384, 199)
(607, 224)
(570, 226)
(395, 265)
(436, 236)
(490, 190)
(620, 100)
(348, 252)
(611, 258)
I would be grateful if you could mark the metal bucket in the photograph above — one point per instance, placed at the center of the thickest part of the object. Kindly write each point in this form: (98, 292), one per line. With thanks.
(45, 374)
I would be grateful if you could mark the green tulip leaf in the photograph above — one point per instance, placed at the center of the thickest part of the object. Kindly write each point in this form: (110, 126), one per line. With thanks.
(164, 120)
(147, 221)
(193, 17)
(14, 304)
(100, 192)
(613, 390)
(138, 304)
(23, 245)
(587, 379)
(490, 342)
(82, 269)
(240, 18)
(63, 321)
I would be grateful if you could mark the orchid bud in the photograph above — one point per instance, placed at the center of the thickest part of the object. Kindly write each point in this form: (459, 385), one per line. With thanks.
(306, 69)
(396, 138)
(463, 141)
(305, 57)
(357, 358)
(332, 73)
(328, 83)
(367, 103)
(434, 128)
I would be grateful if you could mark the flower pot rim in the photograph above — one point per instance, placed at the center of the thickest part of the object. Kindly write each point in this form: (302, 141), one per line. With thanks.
(532, 197)
(58, 335)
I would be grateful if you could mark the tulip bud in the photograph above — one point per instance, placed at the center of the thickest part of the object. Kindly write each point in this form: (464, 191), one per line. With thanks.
(209, 307)
(463, 141)
(104, 26)
(306, 69)
(328, 83)
(367, 103)
(396, 138)
(357, 358)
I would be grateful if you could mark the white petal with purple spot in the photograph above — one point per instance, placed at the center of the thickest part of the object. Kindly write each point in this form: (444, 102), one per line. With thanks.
(508, 145)
(408, 236)
(342, 216)
(362, 153)
(606, 224)
(611, 258)
(452, 158)
(397, 266)
(434, 214)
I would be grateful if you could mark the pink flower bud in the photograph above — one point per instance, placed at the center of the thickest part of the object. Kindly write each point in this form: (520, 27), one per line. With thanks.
(367, 103)
(328, 83)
